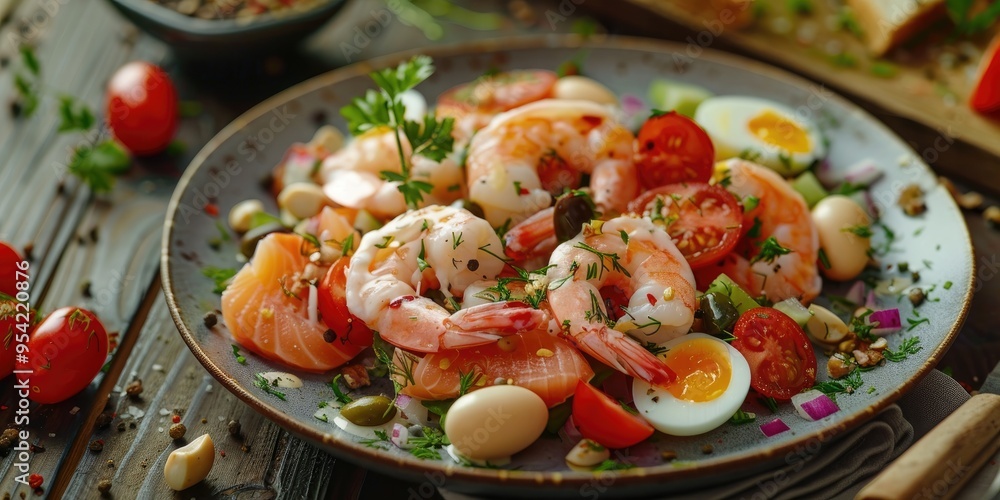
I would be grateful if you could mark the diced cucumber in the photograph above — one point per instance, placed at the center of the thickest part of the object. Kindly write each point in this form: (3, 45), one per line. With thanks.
(795, 310)
(667, 95)
(810, 188)
(738, 296)
(365, 221)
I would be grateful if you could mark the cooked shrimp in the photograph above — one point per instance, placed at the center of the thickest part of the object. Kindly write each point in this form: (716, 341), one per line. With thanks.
(781, 213)
(442, 248)
(352, 176)
(636, 257)
(527, 155)
(474, 104)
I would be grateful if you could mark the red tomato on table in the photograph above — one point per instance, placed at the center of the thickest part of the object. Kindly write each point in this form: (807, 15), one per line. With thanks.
(600, 418)
(782, 362)
(9, 258)
(142, 107)
(66, 351)
(673, 148)
(986, 96)
(704, 221)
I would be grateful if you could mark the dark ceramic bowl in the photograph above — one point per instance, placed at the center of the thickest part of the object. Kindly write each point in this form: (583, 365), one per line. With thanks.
(195, 38)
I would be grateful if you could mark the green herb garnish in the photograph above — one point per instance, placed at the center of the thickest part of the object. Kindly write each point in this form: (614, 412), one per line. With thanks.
(430, 137)
(220, 276)
(337, 393)
(264, 385)
(908, 347)
(770, 249)
(742, 417)
(241, 359)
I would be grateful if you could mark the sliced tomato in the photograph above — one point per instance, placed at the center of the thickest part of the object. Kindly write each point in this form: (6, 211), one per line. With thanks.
(782, 362)
(499, 92)
(673, 148)
(602, 419)
(986, 96)
(703, 220)
(332, 304)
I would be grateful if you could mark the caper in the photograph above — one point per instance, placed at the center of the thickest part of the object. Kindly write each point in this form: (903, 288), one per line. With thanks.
(369, 411)
(718, 314)
(571, 213)
(249, 240)
(472, 207)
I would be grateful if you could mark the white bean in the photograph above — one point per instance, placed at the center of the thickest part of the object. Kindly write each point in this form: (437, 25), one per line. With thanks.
(825, 327)
(328, 138)
(843, 227)
(190, 464)
(587, 453)
(302, 199)
(242, 213)
(583, 88)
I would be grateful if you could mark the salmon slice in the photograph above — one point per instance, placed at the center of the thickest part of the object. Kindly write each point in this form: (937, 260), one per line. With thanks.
(547, 365)
(268, 321)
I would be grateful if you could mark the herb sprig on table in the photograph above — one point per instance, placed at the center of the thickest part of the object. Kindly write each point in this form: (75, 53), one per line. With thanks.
(96, 162)
(384, 107)
(966, 24)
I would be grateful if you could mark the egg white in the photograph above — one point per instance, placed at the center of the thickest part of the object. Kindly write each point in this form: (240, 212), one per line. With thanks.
(677, 417)
(726, 120)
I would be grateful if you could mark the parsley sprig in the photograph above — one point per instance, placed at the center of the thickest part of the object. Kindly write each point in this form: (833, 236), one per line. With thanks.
(96, 162)
(770, 249)
(906, 348)
(384, 107)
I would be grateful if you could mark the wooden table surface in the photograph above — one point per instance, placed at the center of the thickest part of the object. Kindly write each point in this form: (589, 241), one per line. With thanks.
(102, 253)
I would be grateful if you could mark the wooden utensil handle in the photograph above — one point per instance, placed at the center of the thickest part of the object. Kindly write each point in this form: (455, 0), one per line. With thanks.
(938, 465)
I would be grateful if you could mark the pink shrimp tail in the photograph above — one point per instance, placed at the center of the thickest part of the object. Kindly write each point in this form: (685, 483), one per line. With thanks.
(487, 323)
(623, 353)
(535, 235)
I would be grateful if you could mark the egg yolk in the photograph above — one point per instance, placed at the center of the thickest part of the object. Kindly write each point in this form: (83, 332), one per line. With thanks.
(702, 368)
(778, 130)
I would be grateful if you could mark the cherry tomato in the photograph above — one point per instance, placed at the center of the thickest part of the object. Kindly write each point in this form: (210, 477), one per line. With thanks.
(986, 96)
(9, 258)
(672, 148)
(142, 107)
(600, 418)
(332, 305)
(66, 351)
(16, 326)
(500, 92)
(704, 221)
(782, 362)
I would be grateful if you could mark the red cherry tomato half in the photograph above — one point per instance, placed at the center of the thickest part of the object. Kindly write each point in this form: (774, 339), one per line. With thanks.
(66, 351)
(500, 92)
(782, 362)
(986, 96)
(142, 107)
(672, 148)
(600, 418)
(332, 305)
(704, 221)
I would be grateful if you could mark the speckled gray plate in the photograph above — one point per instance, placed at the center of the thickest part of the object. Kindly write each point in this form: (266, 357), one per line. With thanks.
(230, 167)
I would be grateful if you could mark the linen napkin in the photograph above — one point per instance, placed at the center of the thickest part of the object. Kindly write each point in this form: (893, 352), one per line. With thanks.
(839, 467)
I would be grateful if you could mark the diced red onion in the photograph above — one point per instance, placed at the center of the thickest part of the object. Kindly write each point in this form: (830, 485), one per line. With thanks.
(826, 175)
(414, 411)
(857, 292)
(873, 210)
(870, 301)
(863, 172)
(814, 405)
(400, 436)
(774, 427)
(887, 321)
(631, 104)
(571, 432)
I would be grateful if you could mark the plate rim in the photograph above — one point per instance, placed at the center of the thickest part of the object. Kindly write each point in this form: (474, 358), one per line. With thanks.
(530, 479)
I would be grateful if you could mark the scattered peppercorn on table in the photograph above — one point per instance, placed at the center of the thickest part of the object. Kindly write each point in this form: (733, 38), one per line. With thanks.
(102, 253)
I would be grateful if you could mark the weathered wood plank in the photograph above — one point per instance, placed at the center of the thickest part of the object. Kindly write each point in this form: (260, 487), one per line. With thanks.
(273, 465)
